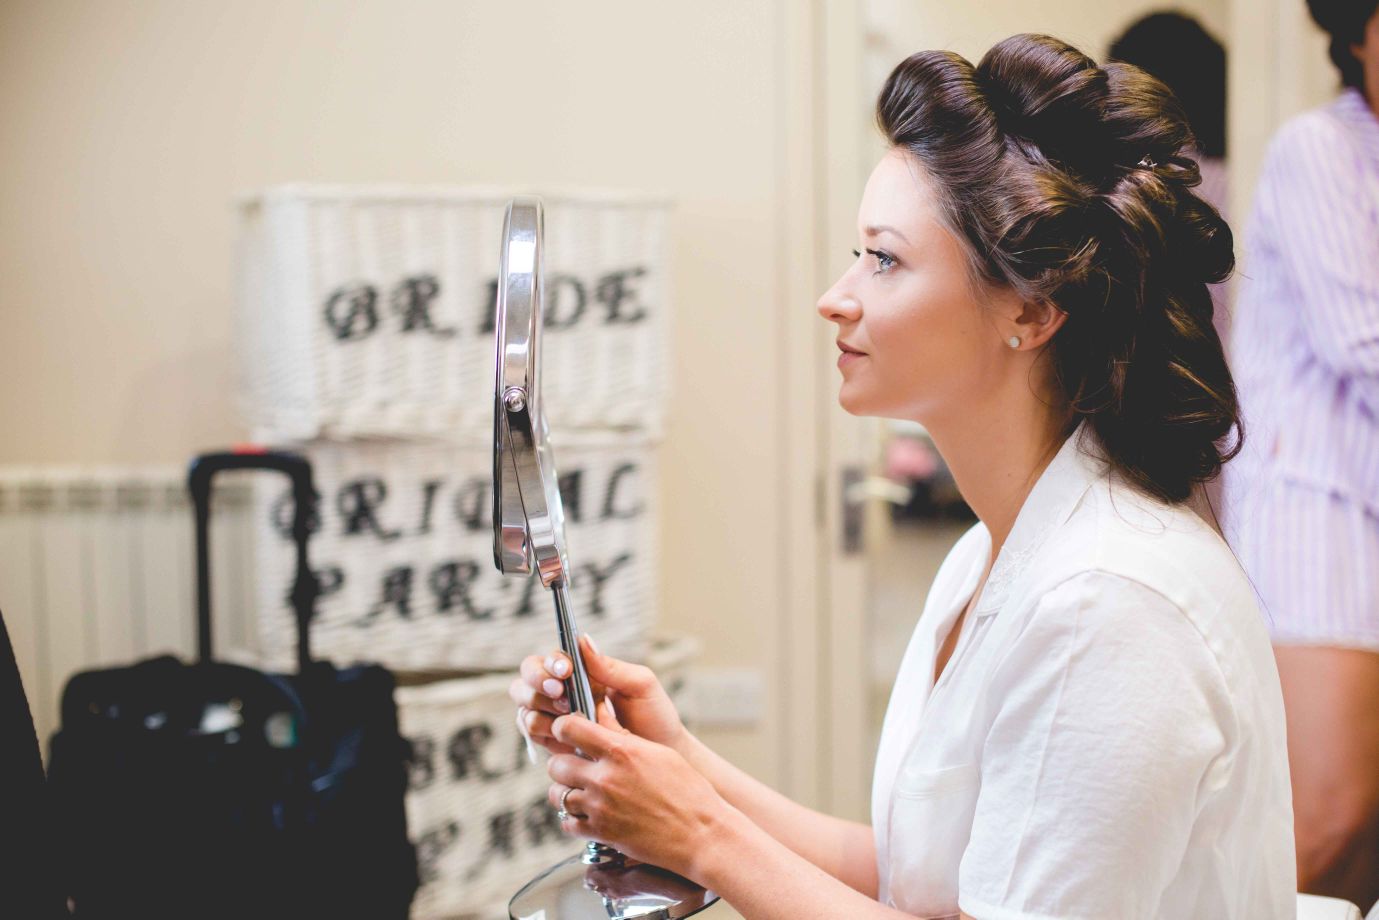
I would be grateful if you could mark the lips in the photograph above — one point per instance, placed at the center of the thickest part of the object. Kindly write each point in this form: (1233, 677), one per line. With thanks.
(848, 349)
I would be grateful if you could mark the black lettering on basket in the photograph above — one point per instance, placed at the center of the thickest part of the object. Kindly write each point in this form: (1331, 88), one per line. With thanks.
(412, 299)
(573, 303)
(571, 489)
(428, 500)
(450, 583)
(471, 504)
(358, 502)
(541, 822)
(608, 513)
(352, 312)
(397, 593)
(465, 752)
(431, 846)
(616, 293)
(421, 762)
(598, 577)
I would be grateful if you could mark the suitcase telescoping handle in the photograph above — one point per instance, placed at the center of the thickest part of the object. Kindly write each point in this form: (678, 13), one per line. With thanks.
(305, 588)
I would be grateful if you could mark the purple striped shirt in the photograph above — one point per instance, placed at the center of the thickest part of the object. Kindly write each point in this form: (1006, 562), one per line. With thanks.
(1305, 344)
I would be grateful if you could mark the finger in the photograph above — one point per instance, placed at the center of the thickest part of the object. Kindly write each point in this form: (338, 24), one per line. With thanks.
(537, 695)
(533, 671)
(558, 664)
(537, 727)
(572, 801)
(572, 770)
(595, 740)
(631, 680)
(536, 674)
(592, 664)
(576, 826)
(522, 694)
(607, 717)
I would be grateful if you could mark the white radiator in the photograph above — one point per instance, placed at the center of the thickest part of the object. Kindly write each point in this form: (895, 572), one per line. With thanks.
(97, 569)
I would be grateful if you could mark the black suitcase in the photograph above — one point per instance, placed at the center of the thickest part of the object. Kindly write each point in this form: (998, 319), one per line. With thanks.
(211, 790)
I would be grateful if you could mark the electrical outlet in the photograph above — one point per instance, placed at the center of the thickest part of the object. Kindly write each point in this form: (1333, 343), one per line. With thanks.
(724, 696)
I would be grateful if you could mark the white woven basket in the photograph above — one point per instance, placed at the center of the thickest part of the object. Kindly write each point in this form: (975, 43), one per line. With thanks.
(476, 806)
(404, 551)
(369, 311)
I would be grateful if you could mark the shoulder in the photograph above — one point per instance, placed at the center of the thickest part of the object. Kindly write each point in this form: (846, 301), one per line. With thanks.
(1101, 638)
(1318, 139)
(1101, 622)
(1129, 565)
(1121, 532)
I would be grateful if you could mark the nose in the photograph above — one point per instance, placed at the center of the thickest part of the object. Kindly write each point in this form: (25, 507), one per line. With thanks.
(839, 305)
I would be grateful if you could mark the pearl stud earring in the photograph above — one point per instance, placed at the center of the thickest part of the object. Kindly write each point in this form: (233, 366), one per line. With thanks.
(1014, 341)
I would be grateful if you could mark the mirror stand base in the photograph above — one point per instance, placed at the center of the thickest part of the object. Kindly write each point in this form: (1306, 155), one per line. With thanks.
(610, 890)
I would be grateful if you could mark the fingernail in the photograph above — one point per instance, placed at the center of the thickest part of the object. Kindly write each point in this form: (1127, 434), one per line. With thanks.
(562, 704)
(531, 720)
(561, 666)
(592, 645)
(552, 687)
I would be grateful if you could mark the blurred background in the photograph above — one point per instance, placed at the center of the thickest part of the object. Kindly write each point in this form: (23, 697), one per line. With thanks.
(791, 542)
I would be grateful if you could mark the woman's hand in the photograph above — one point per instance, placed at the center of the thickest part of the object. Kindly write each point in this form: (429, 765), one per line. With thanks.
(640, 797)
(639, 702)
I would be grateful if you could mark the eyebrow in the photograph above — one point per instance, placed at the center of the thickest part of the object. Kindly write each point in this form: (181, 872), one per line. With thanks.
(882, 228)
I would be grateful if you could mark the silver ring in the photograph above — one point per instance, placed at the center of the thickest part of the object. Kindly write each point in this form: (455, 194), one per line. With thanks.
(563, 814)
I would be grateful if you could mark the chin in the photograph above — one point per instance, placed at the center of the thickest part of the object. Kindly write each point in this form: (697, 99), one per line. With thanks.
(854, 403)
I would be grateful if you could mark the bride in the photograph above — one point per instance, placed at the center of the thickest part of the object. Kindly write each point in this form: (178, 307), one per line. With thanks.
(1087, 721)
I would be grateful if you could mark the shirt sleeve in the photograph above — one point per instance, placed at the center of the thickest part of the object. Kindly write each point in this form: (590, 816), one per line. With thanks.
(1111, 716)
(1322, 196)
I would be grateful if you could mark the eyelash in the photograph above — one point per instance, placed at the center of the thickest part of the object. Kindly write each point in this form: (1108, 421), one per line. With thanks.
(884, 260)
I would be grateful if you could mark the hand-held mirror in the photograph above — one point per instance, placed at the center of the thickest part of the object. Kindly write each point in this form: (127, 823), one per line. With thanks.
(528, 517)
(529, 538)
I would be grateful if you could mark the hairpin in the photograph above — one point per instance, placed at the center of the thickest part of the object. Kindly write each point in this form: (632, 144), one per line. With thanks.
(1146, 162)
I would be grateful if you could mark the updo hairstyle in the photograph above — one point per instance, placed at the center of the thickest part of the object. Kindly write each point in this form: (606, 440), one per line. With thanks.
(1072, 185)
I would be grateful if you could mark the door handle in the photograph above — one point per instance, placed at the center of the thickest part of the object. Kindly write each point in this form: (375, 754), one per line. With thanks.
(857, 489)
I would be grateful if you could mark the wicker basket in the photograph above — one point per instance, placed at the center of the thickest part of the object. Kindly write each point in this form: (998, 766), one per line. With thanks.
(477, 807)
(404, 550)
(369, 311)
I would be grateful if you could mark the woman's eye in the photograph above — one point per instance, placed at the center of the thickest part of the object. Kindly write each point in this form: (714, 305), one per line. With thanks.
(884, 260)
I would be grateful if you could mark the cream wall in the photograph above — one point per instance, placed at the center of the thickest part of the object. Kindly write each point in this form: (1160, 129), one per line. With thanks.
(130, 126)
(1279, 67)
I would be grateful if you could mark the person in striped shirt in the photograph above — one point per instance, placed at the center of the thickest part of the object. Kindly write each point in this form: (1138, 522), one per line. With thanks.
(1301, 502)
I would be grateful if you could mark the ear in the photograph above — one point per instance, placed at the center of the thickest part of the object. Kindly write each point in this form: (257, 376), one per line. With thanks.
(1034, 323)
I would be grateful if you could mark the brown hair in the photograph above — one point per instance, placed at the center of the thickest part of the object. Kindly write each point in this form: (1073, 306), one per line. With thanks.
(1072, 185)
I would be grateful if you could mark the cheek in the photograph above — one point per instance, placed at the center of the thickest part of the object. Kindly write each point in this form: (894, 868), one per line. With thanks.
(930, 349)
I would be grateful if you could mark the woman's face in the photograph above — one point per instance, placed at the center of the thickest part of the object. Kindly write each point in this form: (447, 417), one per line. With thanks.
(929, 348)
